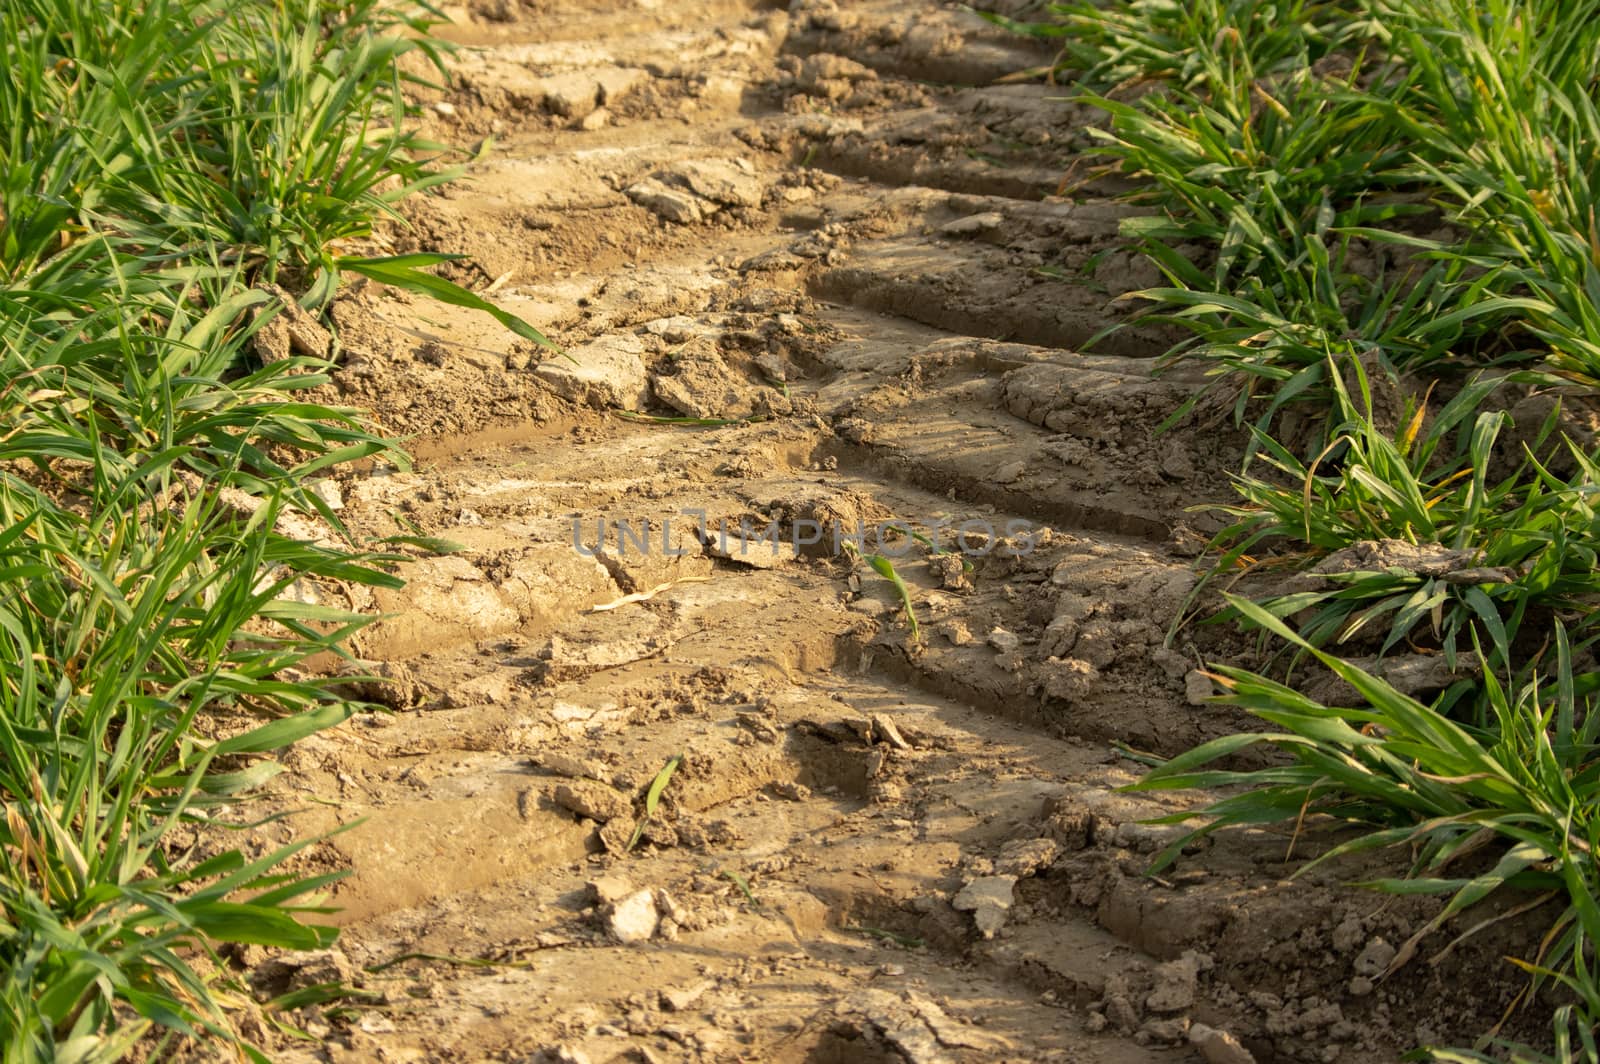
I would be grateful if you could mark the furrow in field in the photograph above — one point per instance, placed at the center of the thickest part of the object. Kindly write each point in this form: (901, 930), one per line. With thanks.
(828, 238)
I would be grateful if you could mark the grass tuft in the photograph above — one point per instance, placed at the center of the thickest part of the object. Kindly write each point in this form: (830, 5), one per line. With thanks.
(1376, 222)
(1524, 790)
(165, 165)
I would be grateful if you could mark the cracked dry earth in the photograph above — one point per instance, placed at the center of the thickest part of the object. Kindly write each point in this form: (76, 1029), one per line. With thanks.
(841, 224)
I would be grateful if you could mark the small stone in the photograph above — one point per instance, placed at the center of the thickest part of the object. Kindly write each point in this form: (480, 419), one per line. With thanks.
(1176, 984)
(989, 899)
(1010, 472)
(973, 223)
(1024, 857)
(298, 969)
(674, 204)
(701, 386)
(1360, 986)
(1120, 1011)
(328, 491)
(717, 1044)
(885, 731)
(608, 890)
(791, 791)
(1218, 1047)
(596, 119)
(951, 570)
(572, 95)
(1349, 934)
(683, 998)
(819, 72)
(1166, 1032)
(497, 10)
(756, 551)
(593, 800)
(722, 181)
(560, 1055)
(956, 1034)
(288, 330)
(660, 833)
(571, 767)
(1374, 960)
(605, 372)
(634, 919)
(1177, 464)
(957, 632)
(615, 835)
(445, 108)
(670, 908)
(721, 89)
(1003, 641)
(677, 329)
(1197, 688)
(616, 82)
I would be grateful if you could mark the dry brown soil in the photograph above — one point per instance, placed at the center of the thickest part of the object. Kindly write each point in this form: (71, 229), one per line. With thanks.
(839, 222)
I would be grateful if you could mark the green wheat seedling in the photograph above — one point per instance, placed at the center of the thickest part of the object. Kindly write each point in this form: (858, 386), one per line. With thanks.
(1525, 788)
(96, 774)
(406, 272)
(160, 161)
(744, 886)
(652, 798)
(885, 568)
(1530, 537)
(1106, 46)
(1406, 189)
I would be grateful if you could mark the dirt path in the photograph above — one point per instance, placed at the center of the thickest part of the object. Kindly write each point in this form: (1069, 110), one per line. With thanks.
(832, 218)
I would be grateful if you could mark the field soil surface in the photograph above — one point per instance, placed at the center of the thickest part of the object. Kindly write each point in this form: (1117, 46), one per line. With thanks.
(841, 228)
